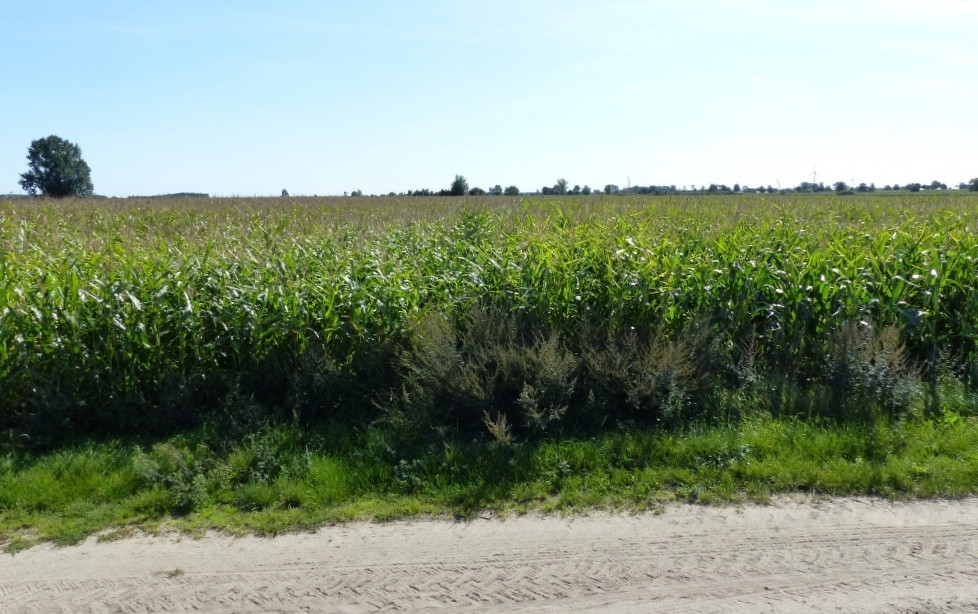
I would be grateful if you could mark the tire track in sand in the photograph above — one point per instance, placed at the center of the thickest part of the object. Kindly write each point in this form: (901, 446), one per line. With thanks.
(850, 555)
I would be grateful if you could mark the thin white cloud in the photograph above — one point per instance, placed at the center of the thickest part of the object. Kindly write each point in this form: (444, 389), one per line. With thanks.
(947, 87)
(876, 12)
(923, 8)
(946, 6)
(962, 59)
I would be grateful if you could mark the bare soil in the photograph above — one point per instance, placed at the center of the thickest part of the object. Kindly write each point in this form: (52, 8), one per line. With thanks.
(845, 555)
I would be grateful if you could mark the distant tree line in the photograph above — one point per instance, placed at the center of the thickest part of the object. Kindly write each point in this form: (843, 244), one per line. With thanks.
(839, 187)
(562, 187)
(178, 195)
(460, 187)
(56, 169)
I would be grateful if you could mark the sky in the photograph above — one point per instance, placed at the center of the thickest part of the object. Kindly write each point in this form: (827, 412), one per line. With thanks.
(248, 97)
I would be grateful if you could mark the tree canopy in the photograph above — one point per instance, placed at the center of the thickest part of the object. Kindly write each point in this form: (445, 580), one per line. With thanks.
(56, 168)
(459, 186)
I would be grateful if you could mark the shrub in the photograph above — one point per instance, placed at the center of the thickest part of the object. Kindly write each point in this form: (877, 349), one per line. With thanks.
(868, 374)
(454, 379)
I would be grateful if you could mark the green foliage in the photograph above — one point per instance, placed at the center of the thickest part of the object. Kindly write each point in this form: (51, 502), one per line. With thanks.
(283, 479)
(651, 381)
(177, 471)
(868, 374)
(459, 187)
(509, 320)
(56, 169)
(487, 375)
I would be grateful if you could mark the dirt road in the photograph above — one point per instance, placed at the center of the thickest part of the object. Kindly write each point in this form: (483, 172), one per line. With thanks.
(849, 555)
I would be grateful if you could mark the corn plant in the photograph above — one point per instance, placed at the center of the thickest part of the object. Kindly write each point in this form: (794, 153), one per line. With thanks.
(128, 316)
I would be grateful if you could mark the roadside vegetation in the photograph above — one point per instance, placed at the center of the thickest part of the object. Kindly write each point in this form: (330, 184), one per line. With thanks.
(273, 364)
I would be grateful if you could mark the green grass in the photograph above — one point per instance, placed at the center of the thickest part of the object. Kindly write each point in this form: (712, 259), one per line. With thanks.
(67, 495)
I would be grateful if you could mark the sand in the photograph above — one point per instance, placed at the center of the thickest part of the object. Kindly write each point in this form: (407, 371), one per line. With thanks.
(839, 555)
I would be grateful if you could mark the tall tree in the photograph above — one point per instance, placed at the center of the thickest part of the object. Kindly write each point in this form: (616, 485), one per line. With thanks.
(56, 168)
(459, 186)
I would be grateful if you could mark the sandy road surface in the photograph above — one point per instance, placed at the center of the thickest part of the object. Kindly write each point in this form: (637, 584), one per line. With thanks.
(850, 555)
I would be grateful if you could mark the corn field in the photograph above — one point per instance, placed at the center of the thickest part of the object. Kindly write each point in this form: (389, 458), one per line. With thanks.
(509, 317)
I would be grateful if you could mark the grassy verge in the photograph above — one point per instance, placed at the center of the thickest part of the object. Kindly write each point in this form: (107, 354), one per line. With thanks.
(284, 479)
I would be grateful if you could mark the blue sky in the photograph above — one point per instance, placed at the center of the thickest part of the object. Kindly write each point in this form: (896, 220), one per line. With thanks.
(247, 98)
